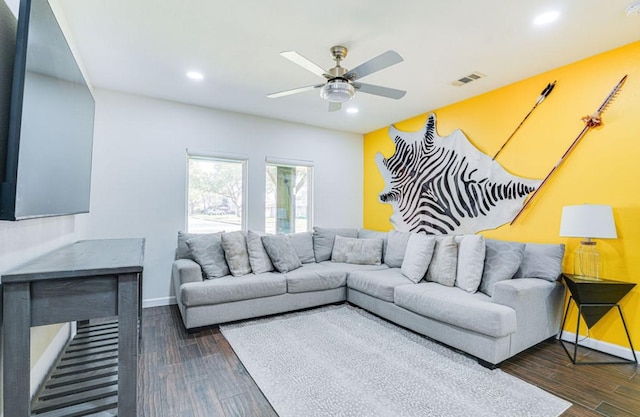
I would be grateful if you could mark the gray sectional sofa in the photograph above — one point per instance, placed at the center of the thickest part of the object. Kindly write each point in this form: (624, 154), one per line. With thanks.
(491, 299)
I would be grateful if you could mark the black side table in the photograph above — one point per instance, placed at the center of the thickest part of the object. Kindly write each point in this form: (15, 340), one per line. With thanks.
(594, 299)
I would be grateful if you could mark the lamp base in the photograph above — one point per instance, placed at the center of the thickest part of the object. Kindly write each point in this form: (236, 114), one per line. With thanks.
(586, 261)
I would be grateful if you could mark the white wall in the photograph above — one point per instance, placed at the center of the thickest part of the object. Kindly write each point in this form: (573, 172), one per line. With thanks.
(139, 171)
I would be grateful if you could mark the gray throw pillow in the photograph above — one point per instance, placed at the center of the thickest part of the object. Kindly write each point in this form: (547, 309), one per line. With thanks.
(236, 253)
(281, 251)
(418, 256)
(471, 252)
(323, 241)
(357, 251)
(303, 244)
(541, 260)
(183, 251)
(258, 257)
(374, 234)
(396, 247)
(444, 262)
(208, 253)
(501, 261)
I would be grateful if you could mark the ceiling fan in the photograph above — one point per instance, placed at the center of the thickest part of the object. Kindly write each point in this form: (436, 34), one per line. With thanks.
(341, 85)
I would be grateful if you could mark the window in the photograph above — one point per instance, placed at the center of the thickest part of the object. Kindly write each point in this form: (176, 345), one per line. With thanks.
(216, 194)
(288, 197)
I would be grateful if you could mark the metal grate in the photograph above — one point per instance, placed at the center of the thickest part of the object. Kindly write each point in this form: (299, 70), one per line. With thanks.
(84, 382)
(468, 78)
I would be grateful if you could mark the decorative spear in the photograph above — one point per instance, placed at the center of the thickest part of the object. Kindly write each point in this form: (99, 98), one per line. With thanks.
(592, 120)
(547, 90)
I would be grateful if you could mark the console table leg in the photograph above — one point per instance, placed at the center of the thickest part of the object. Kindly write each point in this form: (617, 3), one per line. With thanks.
(127, 343)
(624, 323)
(17, 346)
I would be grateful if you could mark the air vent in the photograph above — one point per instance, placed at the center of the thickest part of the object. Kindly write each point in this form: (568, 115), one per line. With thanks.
(468, 78)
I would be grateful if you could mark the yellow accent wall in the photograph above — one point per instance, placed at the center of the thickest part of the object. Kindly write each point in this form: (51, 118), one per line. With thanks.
(603, 169)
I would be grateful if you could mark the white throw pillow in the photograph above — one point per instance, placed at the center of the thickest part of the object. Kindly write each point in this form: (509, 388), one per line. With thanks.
(471, 251)
(418, 256)
(357, 251)
(444, 262)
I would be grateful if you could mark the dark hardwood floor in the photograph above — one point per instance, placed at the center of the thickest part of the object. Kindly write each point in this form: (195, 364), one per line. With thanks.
(199, 375)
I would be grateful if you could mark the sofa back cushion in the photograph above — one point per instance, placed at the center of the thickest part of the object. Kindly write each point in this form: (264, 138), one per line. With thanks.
(357, 251)
(541, 260)
(323, 241)
(258, 257)
(502, 260)
(303, 244)
(396, 247)
(208, 253)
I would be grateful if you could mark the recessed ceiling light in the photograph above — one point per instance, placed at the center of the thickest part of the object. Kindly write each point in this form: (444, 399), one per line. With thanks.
(545, 18)
(195, 75)
(352, 110)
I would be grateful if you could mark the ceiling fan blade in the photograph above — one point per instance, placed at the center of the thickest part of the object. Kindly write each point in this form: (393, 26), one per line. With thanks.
(378, 63)
(334, 106)
(294, 91)
(296, 58)
(379, 91)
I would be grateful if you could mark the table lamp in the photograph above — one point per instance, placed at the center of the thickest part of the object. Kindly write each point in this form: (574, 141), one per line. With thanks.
(587, 221)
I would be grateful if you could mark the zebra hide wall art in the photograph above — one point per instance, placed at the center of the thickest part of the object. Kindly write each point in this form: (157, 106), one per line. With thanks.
(445, 185)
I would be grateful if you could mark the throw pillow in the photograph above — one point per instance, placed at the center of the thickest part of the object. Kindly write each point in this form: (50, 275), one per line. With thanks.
(303, 245)
(396, 247)
(444, 262)
(281, 251)
(471, 252)
(501, 261)
(236, 253)
(374, 234)
(258, 257)
(357, 251)
(541, 260)
(183, 251)
(208, 253)
(418, 256)
(323, 241)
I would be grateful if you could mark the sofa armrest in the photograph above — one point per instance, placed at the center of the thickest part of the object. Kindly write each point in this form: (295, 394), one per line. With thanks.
(538, 304)
(186, 270)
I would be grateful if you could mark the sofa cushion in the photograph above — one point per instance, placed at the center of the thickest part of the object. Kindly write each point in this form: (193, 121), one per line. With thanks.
(396, 247)
(281, 252)
(343, 266)
(471, 253)
(302, 242)
(229, 289)
(541, 261)
(258, 257)
(379, 284)
(501, 261)
(374, 234)
(443, 266)
(457, 307)
(323, 239)
(183, 251)
(208, 253)
(418, 256)
(236, 253)
(357, 251)
(314, 277)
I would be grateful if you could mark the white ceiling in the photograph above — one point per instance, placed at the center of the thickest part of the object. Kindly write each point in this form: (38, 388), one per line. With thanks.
(146, 46)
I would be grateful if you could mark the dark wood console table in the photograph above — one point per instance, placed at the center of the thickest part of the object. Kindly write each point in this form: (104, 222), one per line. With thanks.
(85, 280)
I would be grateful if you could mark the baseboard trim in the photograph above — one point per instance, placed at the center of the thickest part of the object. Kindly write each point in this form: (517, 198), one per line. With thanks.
(48, 359)
(599, 345)
(157, 302)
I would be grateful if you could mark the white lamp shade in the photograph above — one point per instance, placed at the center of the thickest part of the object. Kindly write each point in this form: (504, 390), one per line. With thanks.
(588, 221)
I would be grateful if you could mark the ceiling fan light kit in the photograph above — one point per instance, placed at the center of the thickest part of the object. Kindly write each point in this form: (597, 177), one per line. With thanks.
(340, 85)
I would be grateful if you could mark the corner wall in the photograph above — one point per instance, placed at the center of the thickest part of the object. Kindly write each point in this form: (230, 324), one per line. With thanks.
(603, 169)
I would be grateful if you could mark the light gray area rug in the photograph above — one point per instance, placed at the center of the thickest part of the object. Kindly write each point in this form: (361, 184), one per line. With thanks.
(343, 361)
